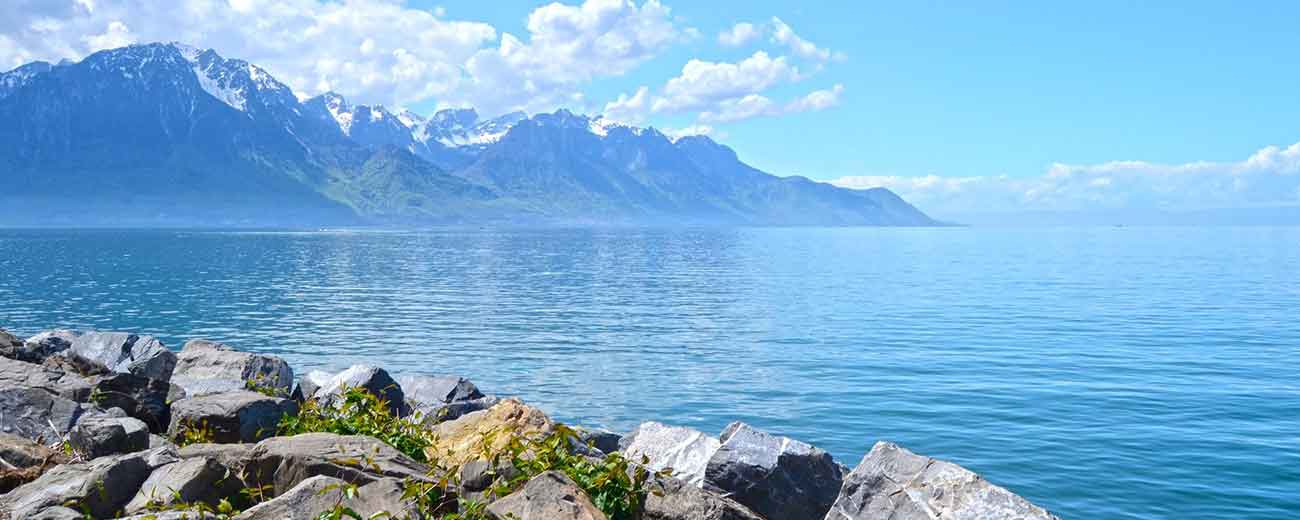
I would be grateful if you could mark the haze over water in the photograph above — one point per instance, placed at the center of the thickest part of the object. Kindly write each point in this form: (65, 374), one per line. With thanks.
(1099, 372)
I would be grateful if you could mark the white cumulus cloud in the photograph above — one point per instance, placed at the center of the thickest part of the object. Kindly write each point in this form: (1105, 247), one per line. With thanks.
(375, 51)
(703, 84)
(739, 34)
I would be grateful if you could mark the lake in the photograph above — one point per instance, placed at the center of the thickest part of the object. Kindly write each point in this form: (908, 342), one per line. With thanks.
(1099, 372)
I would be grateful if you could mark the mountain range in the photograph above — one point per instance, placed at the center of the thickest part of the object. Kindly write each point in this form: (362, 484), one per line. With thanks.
(171, 135)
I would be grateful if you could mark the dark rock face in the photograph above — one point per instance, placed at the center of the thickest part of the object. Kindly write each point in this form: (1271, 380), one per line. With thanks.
(777, 477)
(673, 499)
(205, 367)
(603, 440)
(548, 496)
(144, 398)
(240, 416)
(124, 352)
(283, 462)
(369, 378)
(41, 346)
(101, 486)
(200, 479)
(14, 348)
(29, 412)
(103, 436)
(892, 482)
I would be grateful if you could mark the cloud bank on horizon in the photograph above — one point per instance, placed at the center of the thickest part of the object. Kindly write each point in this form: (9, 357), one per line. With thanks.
(1269, 177)
(388, 52)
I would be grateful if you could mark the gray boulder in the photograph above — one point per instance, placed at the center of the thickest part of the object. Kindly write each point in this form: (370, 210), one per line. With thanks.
(604, 441)
(38, 348)
(777, 477)
(102, 436)
(673, 499)
(233, 456)
(684, 450)
(892, 482)
(548, 496)
(185, 514)
(309, 383)
(29, 412)
(434, 390)
(100, 487)
(239, 416)
(443, 398)
(58, 513)
(369, 378)
(124, 352)
(13, 348)
(283, 462)
(318, 494)
(144, 398)
(21, 452)
(21, 374)
(196, 480)
(206, 367)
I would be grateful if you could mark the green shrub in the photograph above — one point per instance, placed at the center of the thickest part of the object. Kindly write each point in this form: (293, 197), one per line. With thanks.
(361, 413)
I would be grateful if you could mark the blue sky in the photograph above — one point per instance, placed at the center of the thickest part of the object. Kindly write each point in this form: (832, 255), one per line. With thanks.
(1032, 105)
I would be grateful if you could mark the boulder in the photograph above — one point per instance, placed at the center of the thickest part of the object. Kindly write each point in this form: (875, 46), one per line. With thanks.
(40, 347)
(684, 450)
(196, 480)
(461, 440)
(58, 513)
(185, 514)
(21, 374)
(206, 367)
(23, 460)
(436, 390)
(21, 452)
(283, 462)
(100, 487)
(309, 384)
(233, 456)
(140, 397)
(240, 416)
(674, 499)
(13, 348)
(124, 352)
(319, 494)
(548, 496)
(369, 378)
(604, 441)
(476, 477)
(29, 413)
(102, 436)
(892, 482)
(776, 477)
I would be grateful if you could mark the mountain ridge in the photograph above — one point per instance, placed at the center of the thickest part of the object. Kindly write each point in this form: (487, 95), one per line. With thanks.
(168, 134)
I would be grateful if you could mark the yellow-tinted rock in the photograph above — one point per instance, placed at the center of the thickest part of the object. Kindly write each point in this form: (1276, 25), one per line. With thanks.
(487, 432)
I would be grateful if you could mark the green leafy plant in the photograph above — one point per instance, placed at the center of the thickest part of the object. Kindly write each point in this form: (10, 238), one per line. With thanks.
(616, 487)
(190, 432)
(361, 413)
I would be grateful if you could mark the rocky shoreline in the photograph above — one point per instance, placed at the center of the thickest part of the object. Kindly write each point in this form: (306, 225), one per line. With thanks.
(106, 425)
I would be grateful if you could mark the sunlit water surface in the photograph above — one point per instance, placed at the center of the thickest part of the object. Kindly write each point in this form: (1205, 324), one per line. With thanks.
(1102, 373)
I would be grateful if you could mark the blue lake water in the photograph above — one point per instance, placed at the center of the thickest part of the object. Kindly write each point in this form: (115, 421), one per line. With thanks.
(1100, 372)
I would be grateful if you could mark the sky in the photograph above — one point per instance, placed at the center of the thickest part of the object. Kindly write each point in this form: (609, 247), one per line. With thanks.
(958, 106)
